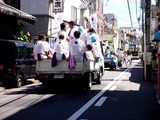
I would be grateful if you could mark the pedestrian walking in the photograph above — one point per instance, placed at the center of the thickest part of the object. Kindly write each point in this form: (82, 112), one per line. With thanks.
(129, 58)
(124, 58)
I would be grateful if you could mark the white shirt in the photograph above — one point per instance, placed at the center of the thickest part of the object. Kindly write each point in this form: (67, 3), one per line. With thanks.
(44, 47)
(83, 37)
(89, 55)
(89, 35)
(71, 32)
(97, 49)
(77, 49)
(64, 33)
(60, 48)
(65, 38)
(36, 48)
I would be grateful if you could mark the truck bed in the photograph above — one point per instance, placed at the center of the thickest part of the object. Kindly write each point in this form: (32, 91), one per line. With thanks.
(44, 67)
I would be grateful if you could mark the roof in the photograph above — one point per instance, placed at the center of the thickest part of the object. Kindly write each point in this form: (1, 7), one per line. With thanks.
(9, 10)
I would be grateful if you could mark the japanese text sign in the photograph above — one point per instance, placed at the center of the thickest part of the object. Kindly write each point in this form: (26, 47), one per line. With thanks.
(58, 5)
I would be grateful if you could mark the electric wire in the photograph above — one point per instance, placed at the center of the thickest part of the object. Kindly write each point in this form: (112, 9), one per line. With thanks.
(130, 13)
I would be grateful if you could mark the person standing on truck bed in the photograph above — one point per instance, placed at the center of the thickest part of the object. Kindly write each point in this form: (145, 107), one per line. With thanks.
(93, 39)
(72, 30)
(77, 47)
(63, 31)
(66, 38)
(83, 35)
(42, 48)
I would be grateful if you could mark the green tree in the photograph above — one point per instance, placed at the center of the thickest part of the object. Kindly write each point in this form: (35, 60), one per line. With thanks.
(22, 34)
(129, 51)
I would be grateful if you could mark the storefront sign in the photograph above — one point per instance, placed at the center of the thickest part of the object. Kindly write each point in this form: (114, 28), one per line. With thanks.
(58, 5)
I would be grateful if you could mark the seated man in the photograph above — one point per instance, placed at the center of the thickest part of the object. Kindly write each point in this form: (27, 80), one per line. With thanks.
(89, 53)
(42, 48)
(77, 47)
(60, 48)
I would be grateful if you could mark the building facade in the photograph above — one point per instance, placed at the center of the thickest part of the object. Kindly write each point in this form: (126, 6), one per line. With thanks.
(10, 16)
(48, 20)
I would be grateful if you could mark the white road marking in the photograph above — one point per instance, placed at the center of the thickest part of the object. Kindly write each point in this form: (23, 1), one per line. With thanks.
(91, 101)
(120, 80)
(124, 76)
(100, 102)
(113, 88)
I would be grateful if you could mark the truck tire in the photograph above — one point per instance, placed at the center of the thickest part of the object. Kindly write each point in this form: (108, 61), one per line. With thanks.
(98, 80)
(111, 68)
(88, 81)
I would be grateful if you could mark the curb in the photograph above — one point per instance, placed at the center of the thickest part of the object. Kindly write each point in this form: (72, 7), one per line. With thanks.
(157, 93)
(2, 89)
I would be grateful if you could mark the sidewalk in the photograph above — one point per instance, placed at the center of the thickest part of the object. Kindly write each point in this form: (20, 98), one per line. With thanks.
(154, 80)
(1, 88)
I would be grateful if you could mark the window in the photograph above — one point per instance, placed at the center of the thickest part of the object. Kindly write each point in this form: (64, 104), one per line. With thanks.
(30, 53)
(14, 3)
(21, 52)
(74, 14)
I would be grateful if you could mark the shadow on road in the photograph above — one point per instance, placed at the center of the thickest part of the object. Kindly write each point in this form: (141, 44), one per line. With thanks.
(121, 104)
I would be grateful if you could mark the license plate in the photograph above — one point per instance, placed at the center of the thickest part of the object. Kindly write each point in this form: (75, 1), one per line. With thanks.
(1, 67)
(58, 76)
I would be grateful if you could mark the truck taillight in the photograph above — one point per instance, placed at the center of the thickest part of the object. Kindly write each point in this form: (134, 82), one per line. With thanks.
(43, 76)
(76, 76)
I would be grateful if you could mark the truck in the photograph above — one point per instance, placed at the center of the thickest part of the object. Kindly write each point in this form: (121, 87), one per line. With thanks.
(85, 72)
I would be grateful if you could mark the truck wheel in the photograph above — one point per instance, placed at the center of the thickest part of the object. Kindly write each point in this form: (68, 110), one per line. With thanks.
(19, 81)
(111, 68)
(99, 75)
(88, 82)
(116, 66)
(98, 81)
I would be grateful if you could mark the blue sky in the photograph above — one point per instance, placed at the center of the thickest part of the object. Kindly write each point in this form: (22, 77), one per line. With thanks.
(120, 9)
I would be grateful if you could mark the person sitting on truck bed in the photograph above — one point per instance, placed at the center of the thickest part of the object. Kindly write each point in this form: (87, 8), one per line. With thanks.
(77, 47)
(42, 48)
(89, 52)
(96, 47)
(60, 48)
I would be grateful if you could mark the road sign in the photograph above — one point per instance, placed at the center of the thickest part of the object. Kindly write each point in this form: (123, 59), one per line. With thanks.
(58, 5)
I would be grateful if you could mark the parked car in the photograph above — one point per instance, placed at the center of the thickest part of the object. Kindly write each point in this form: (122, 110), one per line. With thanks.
(110, 62)
(16, 62)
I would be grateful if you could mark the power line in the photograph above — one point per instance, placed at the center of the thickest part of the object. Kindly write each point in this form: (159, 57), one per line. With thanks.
(136, 9)
(130, 13)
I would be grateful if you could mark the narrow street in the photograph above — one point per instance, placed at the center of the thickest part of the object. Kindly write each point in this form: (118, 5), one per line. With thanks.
(123, 95)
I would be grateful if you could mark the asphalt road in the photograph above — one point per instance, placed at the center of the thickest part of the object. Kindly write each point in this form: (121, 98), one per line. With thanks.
(123, 95)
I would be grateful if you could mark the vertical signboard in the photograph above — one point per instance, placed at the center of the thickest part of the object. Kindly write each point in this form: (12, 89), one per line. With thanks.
(58, 5)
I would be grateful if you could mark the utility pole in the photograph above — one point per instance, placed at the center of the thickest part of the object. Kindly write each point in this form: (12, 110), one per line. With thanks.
(148, 36)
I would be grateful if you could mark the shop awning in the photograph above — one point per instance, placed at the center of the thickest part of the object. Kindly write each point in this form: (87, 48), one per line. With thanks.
(157, 36)
(9, 10)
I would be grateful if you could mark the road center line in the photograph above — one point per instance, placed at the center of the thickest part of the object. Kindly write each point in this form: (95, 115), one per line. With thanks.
(101, 101)
(113, 88)
(120, 80)
(91, 101)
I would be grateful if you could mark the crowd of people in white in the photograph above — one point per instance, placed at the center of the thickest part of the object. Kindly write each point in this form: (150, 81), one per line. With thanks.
(77, 42)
